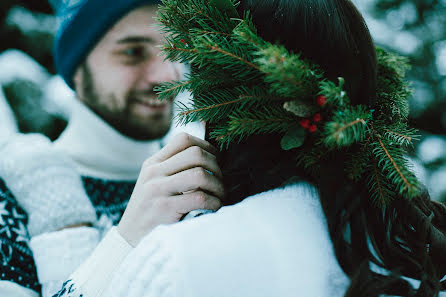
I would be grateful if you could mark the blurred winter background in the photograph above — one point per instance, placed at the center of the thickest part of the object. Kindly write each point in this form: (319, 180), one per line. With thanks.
(39, 101)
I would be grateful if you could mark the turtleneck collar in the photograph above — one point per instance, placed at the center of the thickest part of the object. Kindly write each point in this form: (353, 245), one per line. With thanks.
(99, 150)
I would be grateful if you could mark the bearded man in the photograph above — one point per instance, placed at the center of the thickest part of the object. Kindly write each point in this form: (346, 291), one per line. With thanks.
(57, 199)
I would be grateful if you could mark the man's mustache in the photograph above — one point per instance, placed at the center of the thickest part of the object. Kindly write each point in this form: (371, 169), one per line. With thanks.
(146, 92)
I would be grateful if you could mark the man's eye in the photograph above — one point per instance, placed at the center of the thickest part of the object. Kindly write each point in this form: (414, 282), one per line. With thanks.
(135, 53)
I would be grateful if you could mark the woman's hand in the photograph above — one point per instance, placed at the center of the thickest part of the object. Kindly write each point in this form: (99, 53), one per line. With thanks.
(182, 177)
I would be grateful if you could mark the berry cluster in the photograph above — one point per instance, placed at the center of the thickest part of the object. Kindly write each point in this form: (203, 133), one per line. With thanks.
(310, 124)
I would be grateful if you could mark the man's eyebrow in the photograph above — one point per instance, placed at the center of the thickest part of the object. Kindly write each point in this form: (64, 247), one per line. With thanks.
(136, 39)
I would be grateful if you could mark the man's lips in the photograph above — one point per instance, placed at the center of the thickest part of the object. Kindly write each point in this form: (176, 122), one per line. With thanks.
(152, 103)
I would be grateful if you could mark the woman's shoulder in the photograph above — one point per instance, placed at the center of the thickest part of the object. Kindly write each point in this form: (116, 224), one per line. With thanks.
(275, 208)
(270, 244)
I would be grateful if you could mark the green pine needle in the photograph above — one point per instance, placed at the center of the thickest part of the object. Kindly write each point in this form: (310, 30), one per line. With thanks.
(240, 83)
(346, 127)
(392, 162)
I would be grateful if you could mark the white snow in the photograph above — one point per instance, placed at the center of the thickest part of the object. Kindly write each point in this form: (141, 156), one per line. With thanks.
(440, 49)
(29, 22)
(437, 183)
(15, 64)
(389, 32)
(422, 99)
(431, 149)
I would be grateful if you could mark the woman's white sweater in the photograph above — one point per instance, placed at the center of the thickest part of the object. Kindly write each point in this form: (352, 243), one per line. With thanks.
(272, 244)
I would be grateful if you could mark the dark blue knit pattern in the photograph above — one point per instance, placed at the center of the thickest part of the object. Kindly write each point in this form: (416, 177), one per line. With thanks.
(109, 197)
(16, 261)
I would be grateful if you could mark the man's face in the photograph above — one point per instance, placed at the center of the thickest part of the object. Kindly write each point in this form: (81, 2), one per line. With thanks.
(117, 79)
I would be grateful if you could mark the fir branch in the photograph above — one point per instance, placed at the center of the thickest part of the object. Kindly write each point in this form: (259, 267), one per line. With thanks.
(393, 90)
(379, 189)
(201, 12)
(173, 47)
(335, 94)
(358, 162)
(397, 168)
(347, 127)
(215, 105)
(244, 61)
(403, 139)
(222, 48)
(244, 123)
(246, 33)
(287, 74)
(391, 160)
(176, 52)
(169, 90)
(310, 159)
(204, 32)
(395, 64)
(338, 132)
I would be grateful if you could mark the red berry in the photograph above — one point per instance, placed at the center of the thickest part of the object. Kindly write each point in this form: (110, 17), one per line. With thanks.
(313, 128)
(305, 123)
(317, 118)
(182, 41)
(321, 100)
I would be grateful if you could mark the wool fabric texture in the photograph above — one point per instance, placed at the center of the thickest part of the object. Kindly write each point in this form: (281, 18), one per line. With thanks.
(83, 23)
(275, 243)
(45, 183)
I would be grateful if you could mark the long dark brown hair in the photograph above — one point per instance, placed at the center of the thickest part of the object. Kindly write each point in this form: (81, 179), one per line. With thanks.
(407, 238)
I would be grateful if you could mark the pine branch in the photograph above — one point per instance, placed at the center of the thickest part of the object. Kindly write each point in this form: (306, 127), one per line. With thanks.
(244, 123)
(288, 75)
(378, 186)
(178, 53)
(226, 53)
(169, 90)
(397, 168)
(218, 104)
(403, 139)
(358, 162)
(335, 94)
(204, 32)
(236, 77)
(346, 127)
(310, 159)
(391, 160)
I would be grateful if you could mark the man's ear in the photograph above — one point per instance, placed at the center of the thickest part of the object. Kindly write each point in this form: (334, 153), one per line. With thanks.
(78, 78)
(79, 81)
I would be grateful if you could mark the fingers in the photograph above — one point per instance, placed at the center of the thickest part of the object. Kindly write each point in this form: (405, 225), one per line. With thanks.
(180, 143)
(195, 179)
(196, 200)
(190, 158)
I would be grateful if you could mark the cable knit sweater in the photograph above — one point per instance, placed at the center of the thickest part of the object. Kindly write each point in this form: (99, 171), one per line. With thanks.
(110, 164)
(272, 244)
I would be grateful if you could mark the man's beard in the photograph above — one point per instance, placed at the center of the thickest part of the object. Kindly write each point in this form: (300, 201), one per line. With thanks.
(119, 117)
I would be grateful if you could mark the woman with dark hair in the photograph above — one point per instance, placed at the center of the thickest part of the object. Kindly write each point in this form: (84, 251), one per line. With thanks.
(284, 232)
(407, 238)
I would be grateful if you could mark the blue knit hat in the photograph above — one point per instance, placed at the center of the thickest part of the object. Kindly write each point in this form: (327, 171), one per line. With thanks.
(83, 23)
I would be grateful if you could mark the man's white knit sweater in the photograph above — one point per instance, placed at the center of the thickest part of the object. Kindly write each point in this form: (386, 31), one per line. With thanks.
(98, 151)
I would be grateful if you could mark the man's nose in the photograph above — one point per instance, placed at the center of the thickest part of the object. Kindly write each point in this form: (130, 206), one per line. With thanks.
(157, 70)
